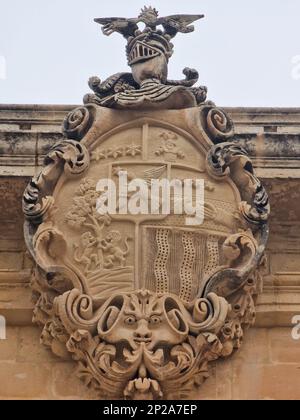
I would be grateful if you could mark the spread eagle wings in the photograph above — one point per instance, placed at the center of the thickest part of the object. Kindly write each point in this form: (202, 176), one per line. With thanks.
(154, 173)
(127, 27)
(178, 23)
(123, 26)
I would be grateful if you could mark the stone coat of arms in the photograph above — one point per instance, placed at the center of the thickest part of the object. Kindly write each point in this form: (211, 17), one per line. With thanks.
(143, 302)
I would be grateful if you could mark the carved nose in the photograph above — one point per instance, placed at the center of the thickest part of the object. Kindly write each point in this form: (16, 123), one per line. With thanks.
(142, 334)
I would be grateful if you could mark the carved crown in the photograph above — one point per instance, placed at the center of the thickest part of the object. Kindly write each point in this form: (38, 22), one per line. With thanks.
(148, 12)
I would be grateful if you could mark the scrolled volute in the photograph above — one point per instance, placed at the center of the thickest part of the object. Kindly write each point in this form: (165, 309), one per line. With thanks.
(209, 314)
(76, 311)
(74, 155)
(242, 252)
(217, 123)
(37, 198)
(77, 123)
(229, 159)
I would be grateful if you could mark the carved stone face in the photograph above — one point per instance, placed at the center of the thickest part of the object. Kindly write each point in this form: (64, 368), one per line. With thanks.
(143, 318)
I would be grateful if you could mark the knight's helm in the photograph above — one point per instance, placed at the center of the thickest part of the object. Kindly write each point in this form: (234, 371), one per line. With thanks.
(148, 54)
(146, 46)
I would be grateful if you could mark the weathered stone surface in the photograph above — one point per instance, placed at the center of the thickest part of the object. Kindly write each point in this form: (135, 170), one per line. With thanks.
(284, 349)
(67, 387)
(265, 368)
(266, 382)
(24, 380)
(30, 350)
(9, 347)
(16, 304)
(255, 349)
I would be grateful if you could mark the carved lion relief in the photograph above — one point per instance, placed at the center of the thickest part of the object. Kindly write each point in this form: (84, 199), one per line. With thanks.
(143, 302)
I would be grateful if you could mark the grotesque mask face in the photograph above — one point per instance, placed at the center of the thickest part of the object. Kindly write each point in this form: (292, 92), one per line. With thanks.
(143, 318)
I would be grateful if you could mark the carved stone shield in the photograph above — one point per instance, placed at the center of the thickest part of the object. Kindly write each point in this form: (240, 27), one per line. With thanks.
(86, 259)
(144, 301)
(156, 252)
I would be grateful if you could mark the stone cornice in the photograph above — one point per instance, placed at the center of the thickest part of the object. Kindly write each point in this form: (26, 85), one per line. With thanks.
(256, 120)
(270, 135)
(41, 115)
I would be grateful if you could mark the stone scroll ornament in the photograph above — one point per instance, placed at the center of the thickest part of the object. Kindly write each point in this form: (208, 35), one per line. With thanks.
(144, 302)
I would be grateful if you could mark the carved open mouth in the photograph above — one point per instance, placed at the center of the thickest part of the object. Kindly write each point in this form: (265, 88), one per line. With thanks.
(142, 340)
(142, 52)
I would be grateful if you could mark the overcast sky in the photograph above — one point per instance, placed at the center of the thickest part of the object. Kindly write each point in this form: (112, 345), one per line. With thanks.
(246, 51)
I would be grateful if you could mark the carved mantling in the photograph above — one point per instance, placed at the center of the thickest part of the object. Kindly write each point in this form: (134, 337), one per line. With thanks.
(143, 304)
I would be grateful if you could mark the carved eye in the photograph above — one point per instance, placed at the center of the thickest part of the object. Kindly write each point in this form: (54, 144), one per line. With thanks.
(155, 320)
(130, 320)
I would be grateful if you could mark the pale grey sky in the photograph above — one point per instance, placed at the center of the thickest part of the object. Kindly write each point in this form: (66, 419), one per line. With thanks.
(247, 51)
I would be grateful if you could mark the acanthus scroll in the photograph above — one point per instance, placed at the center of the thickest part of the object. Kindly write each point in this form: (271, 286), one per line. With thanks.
(230, 159)
(77, 123)
(217, 123)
